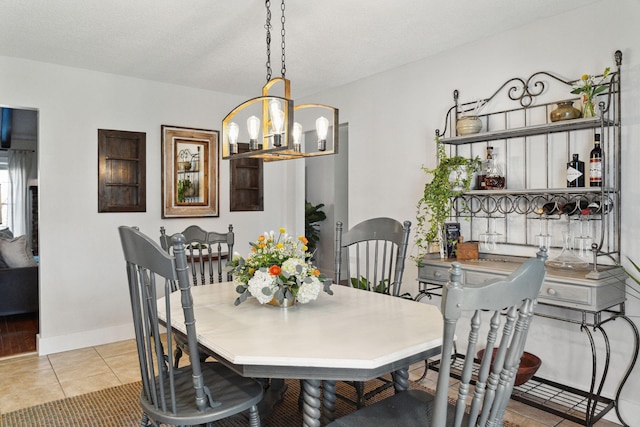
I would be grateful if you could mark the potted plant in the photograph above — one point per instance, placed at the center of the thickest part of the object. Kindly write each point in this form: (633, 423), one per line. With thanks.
(313, 215)
(450, 178)
(185, 189)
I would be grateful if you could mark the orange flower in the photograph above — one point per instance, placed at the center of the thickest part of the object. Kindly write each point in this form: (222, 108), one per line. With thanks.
(261, 245)
(275, 270)
(261, 239)
(252, 270)
(316, 272)
(303, 240)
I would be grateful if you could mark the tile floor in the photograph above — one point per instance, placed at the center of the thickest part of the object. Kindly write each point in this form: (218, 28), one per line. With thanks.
(31, 379)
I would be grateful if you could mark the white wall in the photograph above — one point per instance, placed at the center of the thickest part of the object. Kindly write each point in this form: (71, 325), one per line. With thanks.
(392, 120)
(83, 291)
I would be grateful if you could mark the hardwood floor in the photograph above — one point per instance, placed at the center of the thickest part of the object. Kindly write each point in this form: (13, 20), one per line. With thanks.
(18, 334)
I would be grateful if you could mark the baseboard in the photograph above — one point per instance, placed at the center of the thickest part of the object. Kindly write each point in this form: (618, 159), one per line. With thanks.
(50, 345)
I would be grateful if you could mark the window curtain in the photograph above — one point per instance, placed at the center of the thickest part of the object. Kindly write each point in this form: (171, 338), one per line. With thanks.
(21, 170)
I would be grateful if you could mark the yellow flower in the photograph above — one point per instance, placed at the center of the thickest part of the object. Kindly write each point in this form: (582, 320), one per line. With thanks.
(282, 230)
(304, 248)
(279, 246)
(585, 77)
(252, 270)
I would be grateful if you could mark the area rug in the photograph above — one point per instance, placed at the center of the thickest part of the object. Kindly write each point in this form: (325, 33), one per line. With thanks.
(119, 407)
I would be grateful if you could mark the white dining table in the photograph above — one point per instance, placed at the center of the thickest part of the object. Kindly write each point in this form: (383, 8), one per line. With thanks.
(352, 335)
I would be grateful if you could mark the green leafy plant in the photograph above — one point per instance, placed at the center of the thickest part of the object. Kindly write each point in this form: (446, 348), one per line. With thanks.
(434, 207)
(634, 291)
(312, 217)
(382, 287)
(363, 283)
(184, 185)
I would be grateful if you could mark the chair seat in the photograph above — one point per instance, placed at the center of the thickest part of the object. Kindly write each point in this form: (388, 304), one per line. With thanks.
(233, 392)
(406, 409)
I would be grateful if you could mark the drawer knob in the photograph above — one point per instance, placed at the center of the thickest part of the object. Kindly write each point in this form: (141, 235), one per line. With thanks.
(551, 291)
(437, 273)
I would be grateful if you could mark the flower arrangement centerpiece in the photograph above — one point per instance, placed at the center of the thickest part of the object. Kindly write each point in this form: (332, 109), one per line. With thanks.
(278, 268)
(589, 87)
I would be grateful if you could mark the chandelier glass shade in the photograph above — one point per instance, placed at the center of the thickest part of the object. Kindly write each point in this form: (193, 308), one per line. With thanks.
(271, 127)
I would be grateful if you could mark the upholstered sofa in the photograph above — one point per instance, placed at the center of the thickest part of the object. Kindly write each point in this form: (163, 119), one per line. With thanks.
(18, 275)
(18, 290)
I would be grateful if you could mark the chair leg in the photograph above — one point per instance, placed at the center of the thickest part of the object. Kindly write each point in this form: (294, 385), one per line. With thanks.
(254, 416)
(176, 356)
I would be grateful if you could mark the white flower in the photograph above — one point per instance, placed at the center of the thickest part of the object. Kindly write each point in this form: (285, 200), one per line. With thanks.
(291, 265)
(309, 290)
(262, 279)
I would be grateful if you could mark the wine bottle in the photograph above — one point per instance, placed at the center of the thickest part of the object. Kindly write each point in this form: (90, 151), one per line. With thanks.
(574, 208)
(595, 164)
(549, 208)
(596, 207)
(575, 172)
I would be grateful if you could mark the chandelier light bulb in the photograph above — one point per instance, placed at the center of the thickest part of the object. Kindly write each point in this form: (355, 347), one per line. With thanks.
(277, 121)
(234, 131)
(297, 136)
(274, 105)
(322, 128)
(253, 127)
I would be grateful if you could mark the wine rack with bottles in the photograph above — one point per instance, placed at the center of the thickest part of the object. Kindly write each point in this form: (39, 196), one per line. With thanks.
(534, 152)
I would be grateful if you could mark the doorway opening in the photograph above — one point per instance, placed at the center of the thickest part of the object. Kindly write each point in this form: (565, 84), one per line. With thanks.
(19, 261)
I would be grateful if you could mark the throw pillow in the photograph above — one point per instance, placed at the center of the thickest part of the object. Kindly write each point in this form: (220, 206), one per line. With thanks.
(5, 233)
(15, 254)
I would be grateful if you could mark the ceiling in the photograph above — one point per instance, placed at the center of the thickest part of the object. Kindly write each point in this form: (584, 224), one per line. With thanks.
(221, 44)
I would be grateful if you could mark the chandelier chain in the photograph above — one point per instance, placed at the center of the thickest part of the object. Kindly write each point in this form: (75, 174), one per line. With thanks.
(267, 26)
(283, 71)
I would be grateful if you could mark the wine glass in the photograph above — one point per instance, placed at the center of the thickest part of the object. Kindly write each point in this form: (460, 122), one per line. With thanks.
(543, 237)
(582, 242)
(489, 240)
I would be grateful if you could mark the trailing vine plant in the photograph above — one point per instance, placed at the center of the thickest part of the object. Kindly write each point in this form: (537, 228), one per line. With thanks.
(438, 197)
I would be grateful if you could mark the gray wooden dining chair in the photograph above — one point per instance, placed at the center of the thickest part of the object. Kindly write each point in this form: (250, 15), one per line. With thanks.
(206, 251)
(505, 304)
(372, 255)
(199, 393)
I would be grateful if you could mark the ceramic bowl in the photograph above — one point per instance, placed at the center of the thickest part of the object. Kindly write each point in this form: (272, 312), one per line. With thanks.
(529, 365)
(467, 125)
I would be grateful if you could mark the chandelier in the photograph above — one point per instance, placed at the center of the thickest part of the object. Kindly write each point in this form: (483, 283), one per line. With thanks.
(265, 127)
